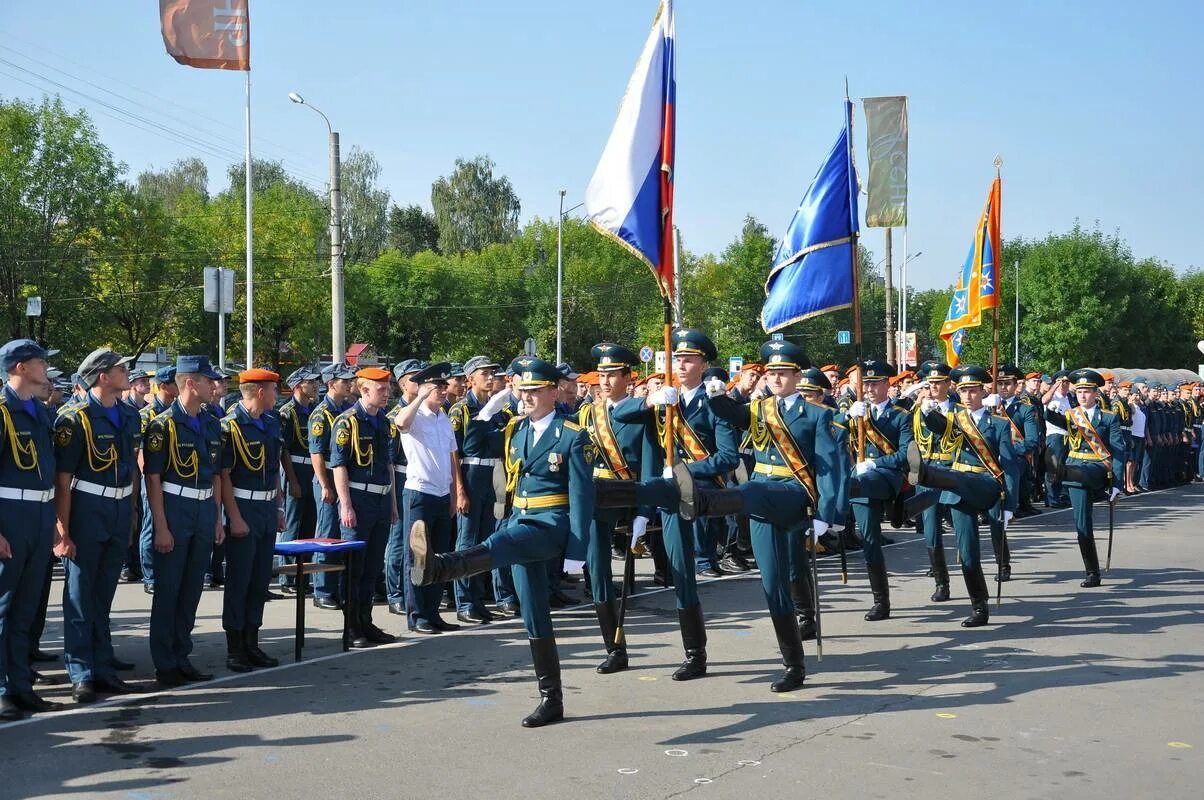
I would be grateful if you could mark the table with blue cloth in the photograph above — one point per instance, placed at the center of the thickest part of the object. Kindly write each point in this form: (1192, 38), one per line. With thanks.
(301, 550)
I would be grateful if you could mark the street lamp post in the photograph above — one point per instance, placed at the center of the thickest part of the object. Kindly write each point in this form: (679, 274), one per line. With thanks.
(560, 281)
(903, 321)
(338, 335)
(1016, 351)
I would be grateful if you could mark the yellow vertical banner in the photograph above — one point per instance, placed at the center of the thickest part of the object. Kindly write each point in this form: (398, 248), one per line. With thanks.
(886, 137)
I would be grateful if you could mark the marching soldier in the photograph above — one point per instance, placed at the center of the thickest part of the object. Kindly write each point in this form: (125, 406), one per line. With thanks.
(300, 511)
(974, 481)
(166, 392)
(616, 449)
(361, 460)
(252, 442)
(338, 379)
(1022, 422)
(182, 457)
(878, 477)
(553, 505)
(1093, 461)
(96, 452)
(27, 517)
(937, 449)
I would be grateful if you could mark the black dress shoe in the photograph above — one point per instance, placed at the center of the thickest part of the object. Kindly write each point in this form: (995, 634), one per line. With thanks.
(734, 564)
(9, 712)
(377, 636)
(114, 685)
(194, 675)
(30, 701)
(148, 588)
(979, 616)
(424, 627)
(270, 596)
(327, 603)
(484, 614)
(170, 678)
(397, 608)
(1091, 581)
(941, 594)
(360, 642)
(710, 572)
(130, 576)
(1005, 574)
(42, 656)
(42, 679)
(84, 692)
(509, 609)
(471, 617)
(440, 624)
(121, 666)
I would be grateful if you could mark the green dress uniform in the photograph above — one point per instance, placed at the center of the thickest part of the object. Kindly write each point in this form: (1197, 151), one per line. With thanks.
(938, 450)
(1018, 413)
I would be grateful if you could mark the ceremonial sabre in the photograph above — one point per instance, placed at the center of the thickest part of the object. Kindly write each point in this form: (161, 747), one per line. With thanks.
(819, 627)
(628, 578)
(1111, 520)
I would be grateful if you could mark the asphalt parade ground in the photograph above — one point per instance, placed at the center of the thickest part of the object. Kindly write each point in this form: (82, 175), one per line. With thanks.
(1068, 693)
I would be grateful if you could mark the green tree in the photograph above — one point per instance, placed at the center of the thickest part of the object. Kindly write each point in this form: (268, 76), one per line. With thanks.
(365, 207)
(189, 175)
(473, 208)
(412, 229)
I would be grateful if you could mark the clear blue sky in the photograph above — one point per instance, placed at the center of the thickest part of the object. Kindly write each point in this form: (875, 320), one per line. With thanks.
(1095, 106)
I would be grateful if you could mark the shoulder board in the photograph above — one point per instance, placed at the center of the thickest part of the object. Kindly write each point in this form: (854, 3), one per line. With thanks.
(1025, 400)
(68, 412)
(572, 426)
(457, 407)
(345, 415)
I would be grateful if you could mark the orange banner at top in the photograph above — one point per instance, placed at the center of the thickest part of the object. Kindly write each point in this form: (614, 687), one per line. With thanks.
(209, 34)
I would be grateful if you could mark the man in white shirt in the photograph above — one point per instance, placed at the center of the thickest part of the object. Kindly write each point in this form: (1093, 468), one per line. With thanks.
(431, 479)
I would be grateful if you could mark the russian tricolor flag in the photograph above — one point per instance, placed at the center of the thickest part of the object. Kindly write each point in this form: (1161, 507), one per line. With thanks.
(630, 197)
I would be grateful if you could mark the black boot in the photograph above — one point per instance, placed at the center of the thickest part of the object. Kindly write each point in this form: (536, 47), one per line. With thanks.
(880, 587)
(686, 502)
(616, 650)
(718, 502)
(792, 654)
(920, 473)
(804, 604)
(920, 501)
(237, 658)
(980, 598)
(1090, 562)
(940, 574)
(431, 568)
(254, 654)
(1055, 464)
(694, 638)
(547, 672)
(614, 494)
(1003, 554)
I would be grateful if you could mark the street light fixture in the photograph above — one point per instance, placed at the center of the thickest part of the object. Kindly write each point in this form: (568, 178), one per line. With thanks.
(338, 343)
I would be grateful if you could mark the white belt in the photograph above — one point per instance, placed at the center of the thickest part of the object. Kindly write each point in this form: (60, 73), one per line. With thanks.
(372, 488)
(473, 461)
(32, 495)
(301, 459)
(100, 490)
(400, 469)
(247, 494)
(187, 491)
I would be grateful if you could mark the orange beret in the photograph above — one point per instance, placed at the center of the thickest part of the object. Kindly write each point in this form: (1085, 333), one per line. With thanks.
(753, 367)
(258, 376)
(1107, 376)
(373, 374)
(1032, 376)
(1125, 384)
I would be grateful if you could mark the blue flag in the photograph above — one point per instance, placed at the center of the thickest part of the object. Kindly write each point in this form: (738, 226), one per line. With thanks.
(812, 269)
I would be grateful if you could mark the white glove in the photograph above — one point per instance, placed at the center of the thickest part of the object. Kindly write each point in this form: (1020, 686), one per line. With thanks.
(491, 408)
(915, 387)
(991, 400)
(857, 409)
(1007, 519)
(864, 466)
(1112, 495)
(1052, 405)
(665, 396)
(836, 527)
(928, 406)
(667, 473)
(715, 388)
(573, 567)
(818, 528)
(639, 526)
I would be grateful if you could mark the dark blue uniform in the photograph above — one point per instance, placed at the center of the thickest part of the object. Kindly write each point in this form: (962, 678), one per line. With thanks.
(146, 535)
(321, 421)
(398, 589)
(300, 513)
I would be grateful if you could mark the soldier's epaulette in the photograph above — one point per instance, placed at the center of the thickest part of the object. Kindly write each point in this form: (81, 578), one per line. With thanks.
(68, 412)
(572, 426)
(347, 415)
(1025, 400)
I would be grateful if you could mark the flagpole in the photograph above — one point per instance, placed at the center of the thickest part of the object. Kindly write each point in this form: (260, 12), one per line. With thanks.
(998, 278)
(250, 362)
(848, 109)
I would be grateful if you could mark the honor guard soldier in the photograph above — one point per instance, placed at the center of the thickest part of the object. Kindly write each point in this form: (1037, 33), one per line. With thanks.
(1022, 421)
(27, 517)
(938, 450)
(361, 460)
(1093, 461)
(399, 592)
(182, 452)
(96, 452)
(974, 481)
(878, 476)
(300, 511)
(166, 392)
(616, 450)
(475, 500)
(551, 484)
(338, 379)
(710, 449)
(252, 442)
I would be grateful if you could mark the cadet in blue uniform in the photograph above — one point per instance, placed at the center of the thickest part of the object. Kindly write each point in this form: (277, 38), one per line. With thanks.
(1094, 461)
(96, 452)
(27, 515)
(878, 477)
(252, 442)
(616, 450)
(338, 379)
(937, 449)
(182, 452)
(399, 593)
(300, 511)
(1022, 421)
(361, 460)
(553, 506)
(974, 481)
(710, 449)
(475, 500)
(166, 392)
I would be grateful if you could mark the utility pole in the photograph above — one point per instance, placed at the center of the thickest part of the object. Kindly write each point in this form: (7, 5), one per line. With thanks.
(560, 281)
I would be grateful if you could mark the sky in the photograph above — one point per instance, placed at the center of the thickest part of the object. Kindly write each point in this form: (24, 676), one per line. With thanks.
(1094, 106)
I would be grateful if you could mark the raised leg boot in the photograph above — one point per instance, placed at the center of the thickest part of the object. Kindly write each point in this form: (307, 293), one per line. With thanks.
(1090, 562)
(880, 587)
(694, 638)
(792, 654)
(616, 651)
(718, 502)
(254, 654)
(980, 598)
(940, 574)
(615, 494)
(431, 568)
(547, 672)
(237, 659)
